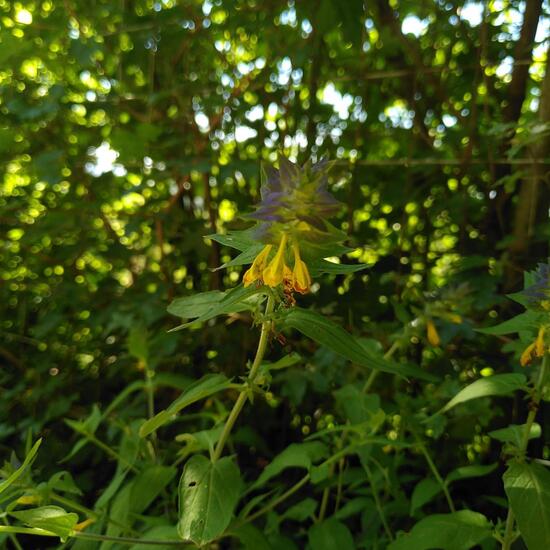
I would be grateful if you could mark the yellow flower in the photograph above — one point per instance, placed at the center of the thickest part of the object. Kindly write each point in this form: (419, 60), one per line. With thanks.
(433, 336)
(300, 274)
(273, 274)
(526, 355)
(537, 346)
(256, 269)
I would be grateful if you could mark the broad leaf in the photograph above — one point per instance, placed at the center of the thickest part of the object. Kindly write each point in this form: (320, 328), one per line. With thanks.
(458, 531)
(334, 337)
(50, 518)
(466, 472)
(528, 489)
(241, 240)
(514, 433)
(231, 301)
(206, 386)
(357, 406)
(519, 323)
(208, 494)
(499, 384)
(330, 534)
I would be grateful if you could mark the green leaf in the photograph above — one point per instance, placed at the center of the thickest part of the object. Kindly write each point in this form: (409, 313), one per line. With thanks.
(330, 534)
(190, 307)
(514, 433)
(302, 510)
(251, 537)
(296, 455)
(499, 384)
(208, 494)
(50, 518)
(357, 406)
(21, 470)
(318, 267)
(334, 337)
(246, 257)
(206, 386)
(519, 323)
(424, 492)
(148, 484)
(169, 533)
(241, 240)
(458, 531)
(528, 489)
(63, 482)
(467, 472)
(231, 301)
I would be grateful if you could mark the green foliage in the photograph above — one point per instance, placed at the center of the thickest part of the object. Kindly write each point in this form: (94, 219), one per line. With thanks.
(134, 137)
(500, 384)
(528, 489)
(458, 531)
(208, 494)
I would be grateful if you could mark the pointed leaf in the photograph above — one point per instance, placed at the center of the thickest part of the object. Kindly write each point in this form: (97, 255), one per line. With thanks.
(458, 531)
(528, 489)
(329, 334)
(50, 518)
(499, 384)
(208, 494)
(206, 386)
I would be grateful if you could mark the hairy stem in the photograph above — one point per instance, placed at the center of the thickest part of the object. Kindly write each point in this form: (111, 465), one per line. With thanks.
(241, 400)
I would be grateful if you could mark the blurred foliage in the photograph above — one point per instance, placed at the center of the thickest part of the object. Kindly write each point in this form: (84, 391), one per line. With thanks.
(131, 130)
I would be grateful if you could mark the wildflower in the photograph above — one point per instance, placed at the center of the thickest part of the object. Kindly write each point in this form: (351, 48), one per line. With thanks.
(300, 274)
(293, 210)
(274, 272)
(255, 271)
(537, 347)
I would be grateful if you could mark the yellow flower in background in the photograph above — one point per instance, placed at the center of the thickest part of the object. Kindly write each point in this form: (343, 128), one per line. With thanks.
(256, 269)
(300, 274)
(433, 336)
(273, 274)
(537, 347)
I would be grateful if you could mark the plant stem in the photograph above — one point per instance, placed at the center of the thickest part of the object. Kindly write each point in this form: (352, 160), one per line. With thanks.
(13, 538)
(241, 400)
(435, 472)
(325, 497)
(374, 373)
(268, 507)
(378, 503)
(533, 409)
(94, 536)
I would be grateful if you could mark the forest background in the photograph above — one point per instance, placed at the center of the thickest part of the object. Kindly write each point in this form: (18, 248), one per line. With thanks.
(132, 130)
